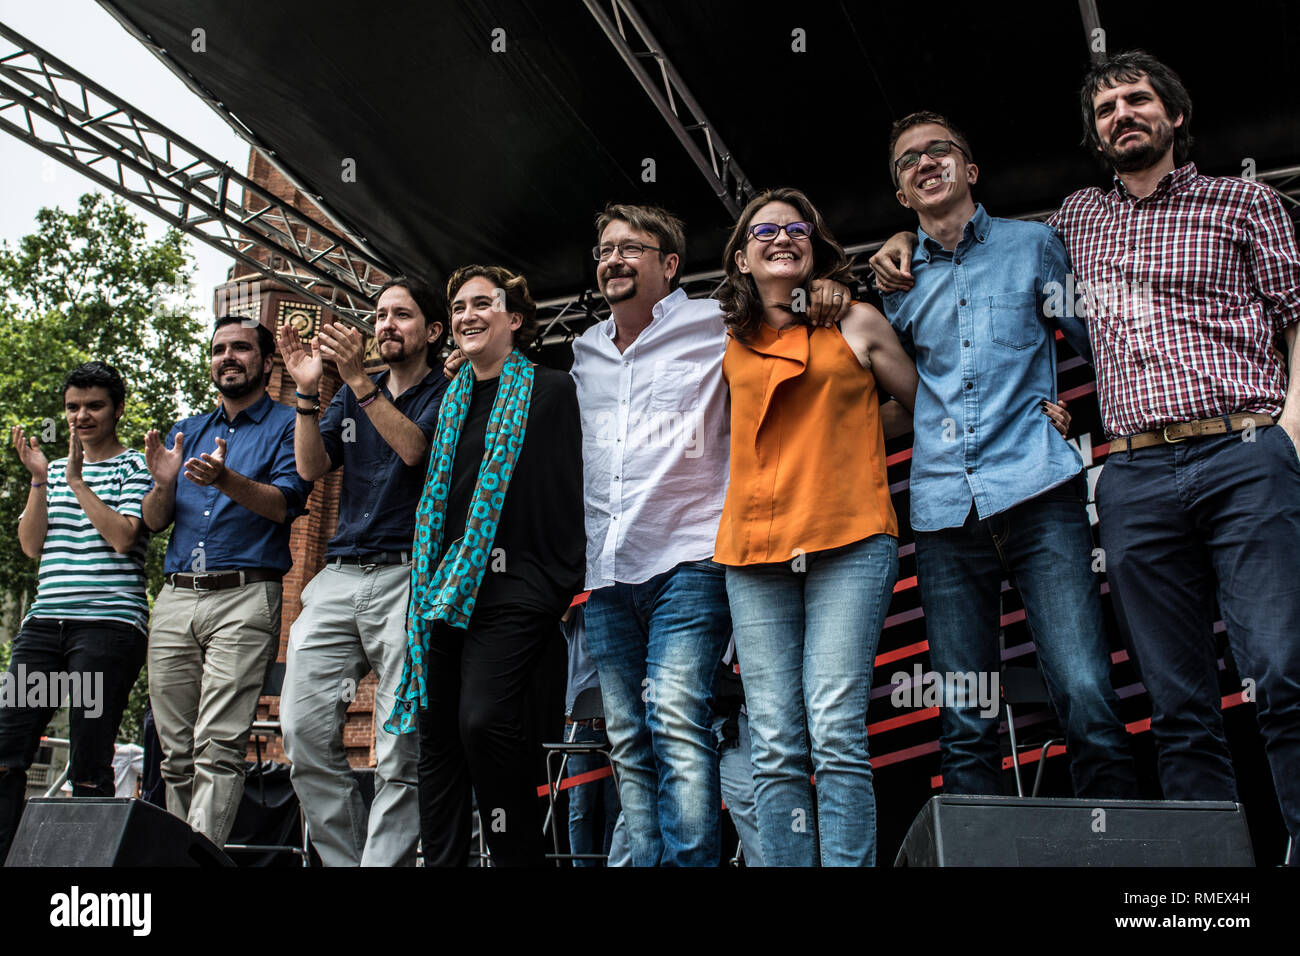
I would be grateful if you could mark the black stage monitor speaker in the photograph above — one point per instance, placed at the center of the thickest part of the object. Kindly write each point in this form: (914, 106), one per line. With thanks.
(1013, 831)
(107, 831)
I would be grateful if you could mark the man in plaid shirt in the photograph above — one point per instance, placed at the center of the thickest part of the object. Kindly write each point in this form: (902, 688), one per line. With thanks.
(1191, 287)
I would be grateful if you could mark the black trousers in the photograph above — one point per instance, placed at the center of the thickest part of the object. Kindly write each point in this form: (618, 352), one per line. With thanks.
(480, 733)
(103, 658)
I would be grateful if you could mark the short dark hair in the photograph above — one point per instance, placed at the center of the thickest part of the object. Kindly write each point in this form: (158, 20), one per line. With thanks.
(426, 298)
(1129, 67)
(97, 375)
(738, 295)
(518, 298)
(265, 340)
(660, 223)
(922, 118)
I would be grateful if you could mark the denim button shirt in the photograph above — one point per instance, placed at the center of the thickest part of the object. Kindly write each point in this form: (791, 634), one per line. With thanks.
(259, 445)
(976, 323)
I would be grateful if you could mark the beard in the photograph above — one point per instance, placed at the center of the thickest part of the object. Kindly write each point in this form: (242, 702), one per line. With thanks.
(622, 296)
(398, 354)
(1144, 155)
(238, 389)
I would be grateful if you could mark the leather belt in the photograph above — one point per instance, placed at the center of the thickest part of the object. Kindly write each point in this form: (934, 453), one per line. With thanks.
(1181, 431)
(222, 580)
(595, 723)
(372, 558)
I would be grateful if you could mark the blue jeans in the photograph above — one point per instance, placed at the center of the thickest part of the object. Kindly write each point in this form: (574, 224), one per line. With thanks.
(736, 768)
(1181, 524)
(656, 647)
(1044, 547)
(593, 807)
(806, 640)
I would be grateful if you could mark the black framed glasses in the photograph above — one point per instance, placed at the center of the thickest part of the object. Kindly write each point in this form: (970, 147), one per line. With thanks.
(936, 150)
(767, 231)
(626, 250)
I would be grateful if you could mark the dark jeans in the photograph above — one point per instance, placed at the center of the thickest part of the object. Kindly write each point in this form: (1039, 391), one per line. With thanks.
(593, 806)
(1181, 524)
(1044, 547)
(102, 658)
(476, 735)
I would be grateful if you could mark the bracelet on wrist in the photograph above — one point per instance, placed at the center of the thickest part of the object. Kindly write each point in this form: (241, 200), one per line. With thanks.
(313, 410)
(307, 398)
(363, 402)
(40, 484)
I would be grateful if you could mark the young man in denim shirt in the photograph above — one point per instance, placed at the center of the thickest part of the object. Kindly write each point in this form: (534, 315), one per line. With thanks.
(995, 490)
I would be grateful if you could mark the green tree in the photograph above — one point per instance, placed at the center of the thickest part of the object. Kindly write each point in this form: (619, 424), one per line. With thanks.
(90, 285)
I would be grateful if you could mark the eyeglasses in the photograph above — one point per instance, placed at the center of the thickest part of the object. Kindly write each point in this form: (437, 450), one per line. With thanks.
(767, 231)
(627, 250)
(936, 150)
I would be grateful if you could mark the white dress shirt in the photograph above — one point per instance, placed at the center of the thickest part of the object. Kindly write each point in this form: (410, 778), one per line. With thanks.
(656, 438)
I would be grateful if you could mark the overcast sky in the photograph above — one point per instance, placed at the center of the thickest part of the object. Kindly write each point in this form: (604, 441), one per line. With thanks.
(83, 35)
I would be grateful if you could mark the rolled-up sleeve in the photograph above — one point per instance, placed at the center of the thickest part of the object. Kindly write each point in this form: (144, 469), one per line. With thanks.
(1055, 271)
(1272, 259)
(284, 475)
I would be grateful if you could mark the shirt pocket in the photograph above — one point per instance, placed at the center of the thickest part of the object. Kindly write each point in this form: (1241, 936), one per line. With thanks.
(676, 386)
(1013, 319)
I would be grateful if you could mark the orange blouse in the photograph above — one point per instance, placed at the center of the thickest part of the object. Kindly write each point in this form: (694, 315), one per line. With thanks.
(807, 450)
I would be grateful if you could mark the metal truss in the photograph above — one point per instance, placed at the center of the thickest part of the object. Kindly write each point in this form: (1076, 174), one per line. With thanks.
(564, 318)
(70, 118)
(714, 160)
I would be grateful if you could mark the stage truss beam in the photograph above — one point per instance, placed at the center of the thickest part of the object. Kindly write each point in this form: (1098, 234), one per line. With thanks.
(714, 161)
(70, 118)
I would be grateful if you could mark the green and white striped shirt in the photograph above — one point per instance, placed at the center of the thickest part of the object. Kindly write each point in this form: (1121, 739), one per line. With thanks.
(81, 575)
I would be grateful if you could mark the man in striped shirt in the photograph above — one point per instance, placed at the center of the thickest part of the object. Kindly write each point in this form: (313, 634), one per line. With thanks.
(85, 630)
(1191, 288)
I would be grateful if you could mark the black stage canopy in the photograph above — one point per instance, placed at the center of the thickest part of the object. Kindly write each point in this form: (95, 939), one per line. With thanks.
(463, 154)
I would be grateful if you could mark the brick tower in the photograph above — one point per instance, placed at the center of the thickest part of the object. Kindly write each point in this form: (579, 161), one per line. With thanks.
(250, 294)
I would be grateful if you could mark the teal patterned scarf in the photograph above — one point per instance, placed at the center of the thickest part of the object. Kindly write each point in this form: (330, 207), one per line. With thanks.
(447, 592)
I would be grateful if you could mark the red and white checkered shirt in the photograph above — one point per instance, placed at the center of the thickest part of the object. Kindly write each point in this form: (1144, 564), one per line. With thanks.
(1184, 291)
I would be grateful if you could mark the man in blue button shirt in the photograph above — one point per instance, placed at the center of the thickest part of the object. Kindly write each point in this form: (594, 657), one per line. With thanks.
(378, 428)
(995, 489)
(216, 623)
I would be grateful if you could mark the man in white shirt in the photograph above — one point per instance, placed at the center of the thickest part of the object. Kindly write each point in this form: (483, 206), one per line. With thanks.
(656, 434)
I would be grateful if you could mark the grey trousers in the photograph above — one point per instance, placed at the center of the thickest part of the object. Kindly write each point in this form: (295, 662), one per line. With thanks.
(209, 652)
(353, 620)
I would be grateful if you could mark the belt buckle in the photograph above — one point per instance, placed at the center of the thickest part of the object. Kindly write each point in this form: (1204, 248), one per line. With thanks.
(196, 582)
(1164, 433)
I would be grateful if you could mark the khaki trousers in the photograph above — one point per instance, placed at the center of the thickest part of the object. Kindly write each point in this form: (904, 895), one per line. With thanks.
(209, 652)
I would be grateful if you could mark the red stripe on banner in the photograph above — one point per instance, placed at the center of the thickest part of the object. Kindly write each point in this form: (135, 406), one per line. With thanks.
(898, 456)
(580, 599)
(1013, 617)
(907, 753)
(905, 584)
(600, 773)
(902, 720)
(1076, 392)
(900, 652)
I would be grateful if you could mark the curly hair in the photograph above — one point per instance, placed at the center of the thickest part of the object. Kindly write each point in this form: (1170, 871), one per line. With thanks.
(741, 305)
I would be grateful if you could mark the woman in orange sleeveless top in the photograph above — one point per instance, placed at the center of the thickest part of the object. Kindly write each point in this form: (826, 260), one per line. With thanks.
(808, 531)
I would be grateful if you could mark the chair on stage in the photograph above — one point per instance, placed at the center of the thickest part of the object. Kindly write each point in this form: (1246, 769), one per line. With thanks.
(1023, 688)
(587, 706)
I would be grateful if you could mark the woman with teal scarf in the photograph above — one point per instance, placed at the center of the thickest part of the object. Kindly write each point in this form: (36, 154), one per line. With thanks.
(498, 555)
